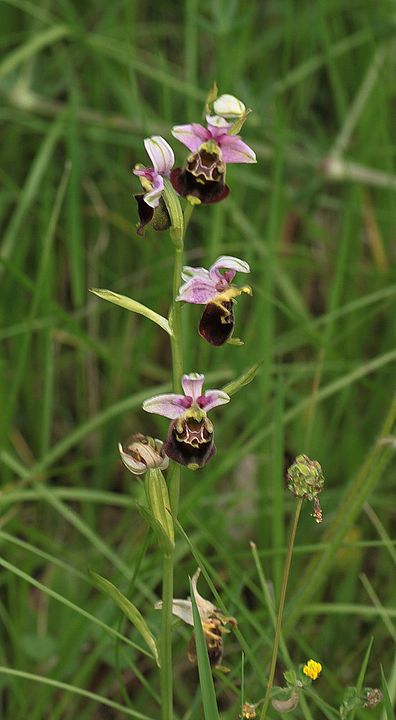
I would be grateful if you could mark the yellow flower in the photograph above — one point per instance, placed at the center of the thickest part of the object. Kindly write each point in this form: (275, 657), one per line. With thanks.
(312, 669)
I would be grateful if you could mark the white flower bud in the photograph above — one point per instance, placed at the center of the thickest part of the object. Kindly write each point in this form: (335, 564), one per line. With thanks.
(228, 106)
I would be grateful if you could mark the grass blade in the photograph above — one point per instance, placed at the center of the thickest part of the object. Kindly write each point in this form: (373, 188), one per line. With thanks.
(129, 610)
(205, 672)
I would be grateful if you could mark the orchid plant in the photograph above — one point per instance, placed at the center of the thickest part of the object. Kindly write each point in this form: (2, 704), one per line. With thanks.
(190, 438)
(189, 441)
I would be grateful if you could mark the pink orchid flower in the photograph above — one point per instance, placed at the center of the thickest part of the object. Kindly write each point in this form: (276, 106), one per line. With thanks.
(190, 439)
(152, 178)
(201, 285)
(214, 289)
(232, 147)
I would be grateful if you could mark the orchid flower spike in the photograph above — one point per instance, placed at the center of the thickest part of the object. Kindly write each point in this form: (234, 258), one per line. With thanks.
(151, 207)
(190, 439)
(214, 289)
(142, 453)
(213, 623)
(212, 147)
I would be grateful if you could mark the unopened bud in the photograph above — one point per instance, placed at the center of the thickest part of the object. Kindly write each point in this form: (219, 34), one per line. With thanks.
(228, 106)
(142, 453)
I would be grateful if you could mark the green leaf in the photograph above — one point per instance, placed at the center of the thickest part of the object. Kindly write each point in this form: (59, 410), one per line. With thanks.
(208, 693)
(232, 387)
(387, 700)
(129, 609)
(133, 306)
(164, 542)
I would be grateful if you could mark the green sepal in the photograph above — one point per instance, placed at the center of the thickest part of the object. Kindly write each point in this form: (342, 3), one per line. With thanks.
(232, 387)
(235, 341)
(133, 306)
(237, 125)
(210, 98)
(172, 203)
(129, 609)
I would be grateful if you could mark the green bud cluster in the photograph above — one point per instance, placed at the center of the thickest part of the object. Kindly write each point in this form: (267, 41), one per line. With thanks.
(305, 478)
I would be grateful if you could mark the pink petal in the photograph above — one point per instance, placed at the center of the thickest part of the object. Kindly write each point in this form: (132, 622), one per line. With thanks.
(152, 197)
(198, 290)
(191, 135)
(160, 154)
(169, 406)
(234, 150)
(192, 385)
(189, 272)
(145, 172)
(213, 398)
(217, 122)
(231, 264)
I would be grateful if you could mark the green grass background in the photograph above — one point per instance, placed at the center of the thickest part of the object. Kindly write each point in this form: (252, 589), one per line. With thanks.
(81, 85)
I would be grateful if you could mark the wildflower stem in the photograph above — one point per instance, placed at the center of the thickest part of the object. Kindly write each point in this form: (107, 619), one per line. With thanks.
(282, 598)
(166, 677)
(177, 235)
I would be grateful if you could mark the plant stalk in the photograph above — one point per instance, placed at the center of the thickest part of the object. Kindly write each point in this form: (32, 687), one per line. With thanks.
(177, 235)
(282, 599)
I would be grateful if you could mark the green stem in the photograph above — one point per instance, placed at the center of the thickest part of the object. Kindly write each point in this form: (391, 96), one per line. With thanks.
(282, 599)
(177, 231)
(166, 675)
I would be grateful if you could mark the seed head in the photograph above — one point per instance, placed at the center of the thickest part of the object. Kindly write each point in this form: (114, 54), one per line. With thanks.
(373, 697)
(305, 478)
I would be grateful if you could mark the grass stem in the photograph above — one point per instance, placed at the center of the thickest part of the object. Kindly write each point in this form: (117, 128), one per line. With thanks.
(282, 598)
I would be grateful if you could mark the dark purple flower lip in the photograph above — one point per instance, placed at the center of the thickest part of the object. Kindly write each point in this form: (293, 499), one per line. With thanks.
(188, 186)
(190, 439)
(157, 217)
(217, 322)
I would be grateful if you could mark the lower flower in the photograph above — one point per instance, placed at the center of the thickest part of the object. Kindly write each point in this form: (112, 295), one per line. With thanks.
(213, 630)
(212, 619)
(190, 434)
